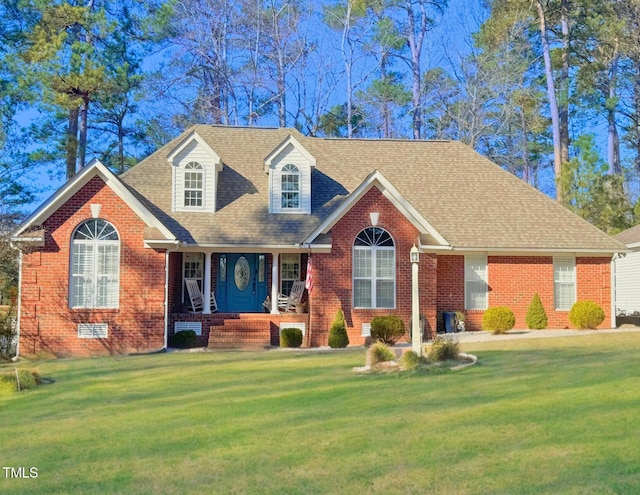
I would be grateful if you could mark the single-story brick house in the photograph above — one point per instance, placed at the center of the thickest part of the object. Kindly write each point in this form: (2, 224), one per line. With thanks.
(242, 209)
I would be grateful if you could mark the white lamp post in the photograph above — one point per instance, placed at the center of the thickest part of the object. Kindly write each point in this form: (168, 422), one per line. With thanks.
(416, 337)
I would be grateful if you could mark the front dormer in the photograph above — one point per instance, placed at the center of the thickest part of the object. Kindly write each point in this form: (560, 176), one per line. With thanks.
(195, 167)
(289, 168)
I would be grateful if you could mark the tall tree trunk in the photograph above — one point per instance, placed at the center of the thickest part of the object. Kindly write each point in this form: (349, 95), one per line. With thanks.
(415, 41)
(553, 105)
(613, 139)
(563, 104)
(71, 144)
(82, 143)
(636, 98)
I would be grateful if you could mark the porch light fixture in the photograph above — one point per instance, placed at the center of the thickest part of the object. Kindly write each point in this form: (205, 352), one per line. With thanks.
(374, 217)
(414, 254)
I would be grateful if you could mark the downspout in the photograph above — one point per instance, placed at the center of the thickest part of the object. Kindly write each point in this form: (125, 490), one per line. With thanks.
(613, 289)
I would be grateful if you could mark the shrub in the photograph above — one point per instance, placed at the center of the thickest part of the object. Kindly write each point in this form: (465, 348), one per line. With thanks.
(498, 320)
(387, 329)
(290, 337)
(443, 350)
(536, 318)
(586, 314)
(338, 332)
(410, 360)
(186, 339)
(9, 384)
(379, 352)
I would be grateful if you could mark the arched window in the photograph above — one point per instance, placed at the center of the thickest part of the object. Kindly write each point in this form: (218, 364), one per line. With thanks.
(374, 269)
(193, 184)
(95, 266)
(290, 177)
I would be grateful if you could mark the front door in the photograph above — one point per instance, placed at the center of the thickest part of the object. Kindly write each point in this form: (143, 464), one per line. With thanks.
(242, 284)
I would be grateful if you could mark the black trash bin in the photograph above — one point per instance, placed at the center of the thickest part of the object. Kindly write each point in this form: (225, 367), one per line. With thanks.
(449, 321)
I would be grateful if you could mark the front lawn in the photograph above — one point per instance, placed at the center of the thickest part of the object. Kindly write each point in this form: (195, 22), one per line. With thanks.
(533, 416)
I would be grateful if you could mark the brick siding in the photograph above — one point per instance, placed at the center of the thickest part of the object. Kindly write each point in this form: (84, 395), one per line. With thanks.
(47, 324)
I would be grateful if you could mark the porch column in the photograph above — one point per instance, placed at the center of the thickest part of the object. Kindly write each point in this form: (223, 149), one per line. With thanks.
(206, 285)
(275, 263)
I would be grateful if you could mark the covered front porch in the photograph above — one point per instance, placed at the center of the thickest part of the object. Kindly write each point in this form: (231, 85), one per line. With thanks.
(245, 289)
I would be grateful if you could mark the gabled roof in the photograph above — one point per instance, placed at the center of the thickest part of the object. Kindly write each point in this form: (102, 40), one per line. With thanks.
(94, 169)
(630, 237)
(455, 197)
(289, 141)
(189, 138)
(376, 179)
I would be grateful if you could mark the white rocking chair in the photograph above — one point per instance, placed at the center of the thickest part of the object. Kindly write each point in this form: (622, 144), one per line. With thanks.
(289, 304)
(195, 297)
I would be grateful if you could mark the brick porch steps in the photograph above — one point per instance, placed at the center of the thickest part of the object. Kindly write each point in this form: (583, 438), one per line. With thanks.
(242, 333)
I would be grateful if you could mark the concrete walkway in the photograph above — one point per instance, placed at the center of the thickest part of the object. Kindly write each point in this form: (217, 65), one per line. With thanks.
(482, 336)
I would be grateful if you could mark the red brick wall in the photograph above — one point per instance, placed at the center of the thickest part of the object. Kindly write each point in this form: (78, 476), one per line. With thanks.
(49, 326)
(333, 272)
(513, 281)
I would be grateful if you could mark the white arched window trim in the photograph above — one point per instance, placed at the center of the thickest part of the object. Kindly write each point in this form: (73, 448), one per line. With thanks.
(290, 182)
(193, 185)
(374, 269)
(94, 266)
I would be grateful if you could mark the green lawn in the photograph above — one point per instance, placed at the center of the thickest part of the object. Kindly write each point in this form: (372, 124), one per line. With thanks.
(548, 416)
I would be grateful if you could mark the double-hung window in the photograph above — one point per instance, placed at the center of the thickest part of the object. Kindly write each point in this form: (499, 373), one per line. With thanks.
(564, 282)
(475, 281)
(290, 177)
(193, 185)
(95, 266)
(289, 271)
(374, 269)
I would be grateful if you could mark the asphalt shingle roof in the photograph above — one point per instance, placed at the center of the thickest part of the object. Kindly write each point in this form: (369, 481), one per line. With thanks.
(469, 200)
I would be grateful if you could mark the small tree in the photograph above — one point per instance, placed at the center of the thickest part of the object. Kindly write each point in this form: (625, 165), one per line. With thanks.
(536, 318)
(338, 332)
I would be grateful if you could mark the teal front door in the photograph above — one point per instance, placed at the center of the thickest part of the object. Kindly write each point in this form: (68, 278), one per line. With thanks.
(243, 285)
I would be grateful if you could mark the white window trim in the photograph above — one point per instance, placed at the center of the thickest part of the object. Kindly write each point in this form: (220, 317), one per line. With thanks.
(200, 170)
(285, 173)
(484, 277)
(374, 279)
(282, 273)
(567, 261)
(185, 297)
(94, 276)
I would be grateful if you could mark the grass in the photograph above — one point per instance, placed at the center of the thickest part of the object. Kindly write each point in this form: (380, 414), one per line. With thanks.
(533, 416)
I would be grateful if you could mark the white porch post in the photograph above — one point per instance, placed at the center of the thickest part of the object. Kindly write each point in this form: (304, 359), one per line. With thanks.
(275, 263)
(416, 336)
(206, 285)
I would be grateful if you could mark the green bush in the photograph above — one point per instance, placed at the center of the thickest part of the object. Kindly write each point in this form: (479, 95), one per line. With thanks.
(9, 384)
(338, 332)
(586, 314)
(186, 339)
(443, 350)
(379, 352)
(498, 320)
(536, 318)
(410, 360)
(387, 329)
(290, 337)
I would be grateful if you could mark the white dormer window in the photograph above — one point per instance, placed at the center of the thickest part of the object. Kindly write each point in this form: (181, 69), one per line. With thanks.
(193, 185)
(290, 187)
(195, 168)
(289, 166)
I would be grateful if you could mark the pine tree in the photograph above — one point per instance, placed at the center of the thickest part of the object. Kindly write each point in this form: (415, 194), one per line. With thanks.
(536, 318)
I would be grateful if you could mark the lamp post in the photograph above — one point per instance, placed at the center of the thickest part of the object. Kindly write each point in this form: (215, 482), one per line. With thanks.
(416, 337)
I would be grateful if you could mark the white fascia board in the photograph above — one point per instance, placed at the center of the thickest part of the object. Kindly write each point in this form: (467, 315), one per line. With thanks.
(161, 244)
(73, 185)
(253, 248)
(194, 136)
(376, 179)
(289, 140)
